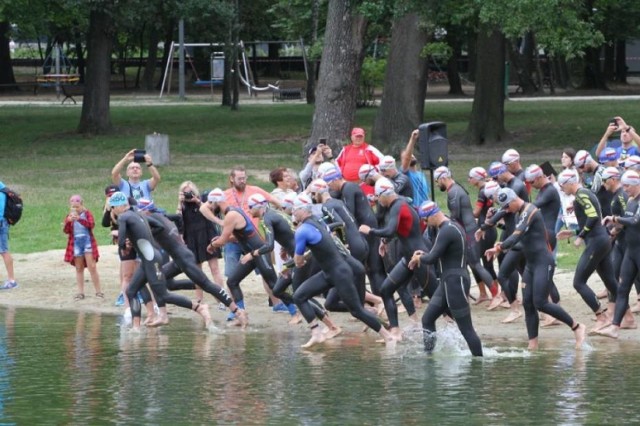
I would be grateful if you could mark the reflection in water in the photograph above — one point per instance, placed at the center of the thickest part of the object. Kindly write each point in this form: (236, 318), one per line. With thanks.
(82, 369)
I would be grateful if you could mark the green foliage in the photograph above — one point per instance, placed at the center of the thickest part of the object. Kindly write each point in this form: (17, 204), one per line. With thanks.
(372, 76)
(438, 49)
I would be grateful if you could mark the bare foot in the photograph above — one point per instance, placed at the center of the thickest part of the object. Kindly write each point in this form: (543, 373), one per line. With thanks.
(296, 319)
(203, 311)
(243, 318)
(495, 303)
(549, 321)
(581, 335)
(396, 333)
(609, 331)
(505, 305)
(316, 337)
(513, 315)
(481, 299)
(417, 302)
(330, 333)
(628, 321)
(149, 319)
(533, 345)
(602, 321)
(603, 294)
(635, 308)
(158, 321)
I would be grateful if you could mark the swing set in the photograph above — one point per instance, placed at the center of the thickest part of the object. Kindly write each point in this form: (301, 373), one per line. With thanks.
(216, 66)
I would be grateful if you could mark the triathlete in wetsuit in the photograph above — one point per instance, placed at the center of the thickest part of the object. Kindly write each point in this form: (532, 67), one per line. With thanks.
(595, 256)
(133, 226)
(168, 238)
(335, 271)
(237, 224)
(459, 206)
(402, 222)
(449, 256)
(631, 262)
(531, 233)
(359, 207)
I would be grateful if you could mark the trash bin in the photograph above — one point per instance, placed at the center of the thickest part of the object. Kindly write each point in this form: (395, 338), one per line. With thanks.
(157, 145)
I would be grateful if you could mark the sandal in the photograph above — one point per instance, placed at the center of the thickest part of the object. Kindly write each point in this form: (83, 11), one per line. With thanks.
(78, 296)
(100, 295)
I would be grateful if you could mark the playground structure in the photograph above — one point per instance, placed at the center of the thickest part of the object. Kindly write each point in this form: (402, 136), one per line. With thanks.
(216, 67)
(61, 66)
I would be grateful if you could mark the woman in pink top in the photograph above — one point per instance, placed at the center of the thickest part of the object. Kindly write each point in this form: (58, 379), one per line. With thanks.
(358, 153)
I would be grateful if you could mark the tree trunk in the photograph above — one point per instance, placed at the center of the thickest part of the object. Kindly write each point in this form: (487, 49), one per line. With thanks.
(486, 124)
(472, 56)
(312, 66)
(621, 61)
(522, 65)
(608, 68)
(152, 58)
(453, 70)
(405, 85)
(593, 76)
(96, 116)
(340, 69)
(140, 57)
(6, 67)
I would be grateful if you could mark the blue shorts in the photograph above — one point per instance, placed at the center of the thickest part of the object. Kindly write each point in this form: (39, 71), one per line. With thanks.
(4, 236)
(81, 245)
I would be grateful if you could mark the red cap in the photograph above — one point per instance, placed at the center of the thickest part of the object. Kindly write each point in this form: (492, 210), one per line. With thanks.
(357, 131)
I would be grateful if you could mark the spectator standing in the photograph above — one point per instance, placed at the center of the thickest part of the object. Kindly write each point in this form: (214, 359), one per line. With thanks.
(82, 248)
(409, 166)
(354, 155)
(197, 231)
(4, 244)
(134, 186)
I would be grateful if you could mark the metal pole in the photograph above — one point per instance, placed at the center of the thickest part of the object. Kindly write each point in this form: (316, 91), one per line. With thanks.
(181, 60)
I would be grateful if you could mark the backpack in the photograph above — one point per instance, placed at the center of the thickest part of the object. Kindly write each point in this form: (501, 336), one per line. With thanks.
(13, 206)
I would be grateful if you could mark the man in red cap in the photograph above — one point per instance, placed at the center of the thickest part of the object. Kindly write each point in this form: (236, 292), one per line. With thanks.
(352, 156)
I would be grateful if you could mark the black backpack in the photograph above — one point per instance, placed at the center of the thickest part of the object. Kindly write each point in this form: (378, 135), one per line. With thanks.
(13, 206)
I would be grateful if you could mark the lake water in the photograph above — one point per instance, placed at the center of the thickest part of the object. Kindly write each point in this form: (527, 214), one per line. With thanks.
(77, 368)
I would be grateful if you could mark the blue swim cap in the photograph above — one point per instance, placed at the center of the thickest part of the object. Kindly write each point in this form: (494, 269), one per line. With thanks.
(118, 199)
(496, 169)
(428, 209)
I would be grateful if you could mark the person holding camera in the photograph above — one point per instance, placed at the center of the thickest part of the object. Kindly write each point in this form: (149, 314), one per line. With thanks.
(134, 186)
(628, 137)
(197, 231)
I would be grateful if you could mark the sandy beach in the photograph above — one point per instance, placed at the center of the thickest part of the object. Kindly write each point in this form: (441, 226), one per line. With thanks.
(46, 282)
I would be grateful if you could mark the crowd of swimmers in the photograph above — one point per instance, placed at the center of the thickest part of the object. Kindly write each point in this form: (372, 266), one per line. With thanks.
(356, 233)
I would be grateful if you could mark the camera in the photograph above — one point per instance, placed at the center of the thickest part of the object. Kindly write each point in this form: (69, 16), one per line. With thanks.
(188, 195)
(138, 156)
(613, 121)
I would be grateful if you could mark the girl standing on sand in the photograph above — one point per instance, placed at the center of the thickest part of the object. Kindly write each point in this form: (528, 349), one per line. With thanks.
(82, 249)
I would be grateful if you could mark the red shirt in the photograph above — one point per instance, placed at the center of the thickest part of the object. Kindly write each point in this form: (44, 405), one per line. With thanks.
(351, 158)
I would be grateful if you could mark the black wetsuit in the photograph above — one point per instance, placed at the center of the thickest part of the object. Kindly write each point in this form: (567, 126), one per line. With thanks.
(618, 208)
(335, 272)
(548, 201)
(358, 204)
(631, 261)
(531, 233)
(134, 226)
(595, 256)
(512, 261)
(357, 243)
(460, 210)
(183, 260)
(490, 234)
(249, 240)
(402, 185)
(448, 254)
(402, 222)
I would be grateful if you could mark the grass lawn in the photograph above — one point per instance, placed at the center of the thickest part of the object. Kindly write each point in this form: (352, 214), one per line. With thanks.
(44, 159)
